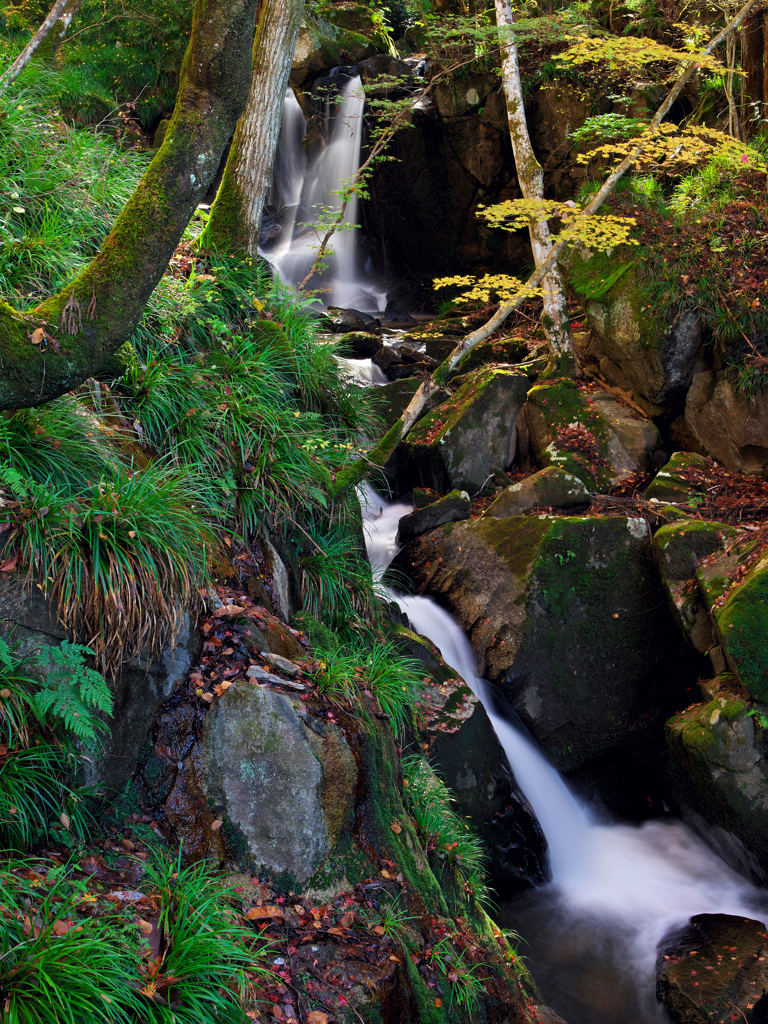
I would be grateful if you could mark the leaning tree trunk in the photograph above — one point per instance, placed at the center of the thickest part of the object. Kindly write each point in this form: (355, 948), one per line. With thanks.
(753, 66)
(52, 44)
(236, 213)
(530, 175)
(33, 45)
(75, 334)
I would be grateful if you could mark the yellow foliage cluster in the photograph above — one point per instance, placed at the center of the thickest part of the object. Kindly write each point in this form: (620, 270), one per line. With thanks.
(601, 232)
(630, 53)
(499, 287)
(669, 144)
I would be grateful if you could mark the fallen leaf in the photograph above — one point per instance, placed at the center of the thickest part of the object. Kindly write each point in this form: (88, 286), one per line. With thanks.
(263, 913)
(37, 336)
(396, 828)
(131, 534)
(9, 564)
(318, 1017)
(208, 697)
(64, 819)
(347, 920)
(5, 694)
(216, 825)
(128, 846)
(228, 610)
(377, 929)
(61, 927)
(438, 1002)
(336, 931)
(145, 926)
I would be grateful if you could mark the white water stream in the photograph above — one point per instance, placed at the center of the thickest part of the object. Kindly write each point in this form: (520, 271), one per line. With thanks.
(616, 890)
(345, 283)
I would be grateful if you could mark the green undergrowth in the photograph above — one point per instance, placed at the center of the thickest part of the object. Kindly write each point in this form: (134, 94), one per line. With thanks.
(69, 955)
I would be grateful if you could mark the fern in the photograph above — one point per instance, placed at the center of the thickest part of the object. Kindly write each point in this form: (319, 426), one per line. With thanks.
(71, 689)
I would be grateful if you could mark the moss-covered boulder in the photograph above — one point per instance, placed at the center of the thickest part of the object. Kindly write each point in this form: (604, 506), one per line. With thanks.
(718, 778)
(670, 484)
(551, 487)
(588, 433)
(506, 352)
(469, 436)
(698, 983)
(567, 616)
(681, 548)
(658, 360)
(732, 428)
(359, 344)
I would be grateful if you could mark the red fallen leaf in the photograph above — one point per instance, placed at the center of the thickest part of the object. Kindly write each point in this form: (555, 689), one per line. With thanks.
(347, 920)
(9, 565)
(94, 866)
(438, 1002)
(61, 927)
(263, 913)
(216, 825)
(336, 931)
(318, 1017)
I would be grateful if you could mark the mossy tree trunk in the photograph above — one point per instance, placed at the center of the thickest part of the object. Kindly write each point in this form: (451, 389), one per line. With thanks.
(755, 81)
(236, 214)
(38, 41)
(530, 175)
(55, 38)
(87, 322)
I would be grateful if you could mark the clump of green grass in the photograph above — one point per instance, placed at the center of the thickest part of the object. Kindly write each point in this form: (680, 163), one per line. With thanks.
(377, 669)
(447, 838)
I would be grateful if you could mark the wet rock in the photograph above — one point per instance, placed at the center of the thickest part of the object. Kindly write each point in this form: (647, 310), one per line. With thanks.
(657, 361)
(386, 357)
(281, 779)
(731, 429)
(288, 668)
(468, 437)
(568, 617)
(342, 35)
(268, 633)
(669, 485)
(718, 777)
(361, 344)
(347, 320)
(550, 487)
(385, 76)
(590, 435)
(716, 970)
(462, 747)
(450, 509)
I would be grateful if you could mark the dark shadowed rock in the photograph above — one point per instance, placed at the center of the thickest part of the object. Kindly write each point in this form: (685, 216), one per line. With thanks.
(451, 509)
(715, 970)
(732, 429)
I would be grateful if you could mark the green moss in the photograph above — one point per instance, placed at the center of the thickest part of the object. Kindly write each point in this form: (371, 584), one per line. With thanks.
(596, 278)
(434, 426)
(517, 540)
(508, 350)
(743, 625)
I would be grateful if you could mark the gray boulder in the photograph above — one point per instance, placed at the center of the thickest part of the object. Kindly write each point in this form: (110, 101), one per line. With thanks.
(550, 487)
(470, 436)
(732, 429)
(670, 485)
(282, 779)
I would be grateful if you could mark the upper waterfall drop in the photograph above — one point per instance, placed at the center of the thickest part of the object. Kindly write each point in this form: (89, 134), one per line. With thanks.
(309, 189)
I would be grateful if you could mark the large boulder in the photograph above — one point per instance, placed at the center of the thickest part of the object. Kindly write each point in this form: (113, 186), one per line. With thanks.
(733, 429)
(715, 970)
(588, 433)
(451, 509)
(469, 437)
(718, 777)
(341, 36)
(567, 616)
(282, 779)
(657, 360)
(671, 482)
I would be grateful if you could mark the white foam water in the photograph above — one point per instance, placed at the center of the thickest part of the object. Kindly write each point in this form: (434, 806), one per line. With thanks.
(616, 890)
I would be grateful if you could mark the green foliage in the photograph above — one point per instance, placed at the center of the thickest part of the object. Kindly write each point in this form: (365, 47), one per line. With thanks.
(446, 837)
(71, 978)
(467, 980)
(69, 689)
(607, 128)
(207, 953)
(60, 192)
(376, 668)
(37, 762)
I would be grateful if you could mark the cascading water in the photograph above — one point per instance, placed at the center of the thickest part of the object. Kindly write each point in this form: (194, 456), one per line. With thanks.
(616, 890)
(290, 168)
(345, 283)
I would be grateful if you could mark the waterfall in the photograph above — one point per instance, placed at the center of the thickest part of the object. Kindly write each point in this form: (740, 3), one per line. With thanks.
(344, 282)
(290, 168)
(616, 890)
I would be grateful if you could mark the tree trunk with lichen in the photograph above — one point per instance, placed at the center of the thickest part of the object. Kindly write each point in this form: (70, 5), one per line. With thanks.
(50, 47)
(530, 175)
(236, 213)
(754, 81)
(85, 324)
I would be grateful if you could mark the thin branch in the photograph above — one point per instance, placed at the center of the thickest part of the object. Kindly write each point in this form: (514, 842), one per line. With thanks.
(32, 46)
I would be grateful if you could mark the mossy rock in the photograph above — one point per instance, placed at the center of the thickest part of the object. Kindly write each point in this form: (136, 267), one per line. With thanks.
(451, 508)
(520, 585)
(742, 624)
(669, 485)
(719, 776)
(589, 435)
(467, 438)
(657, 359)
(507, 352)
(359, 344)
(338, 36)
(549, 487)
(680, 548)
